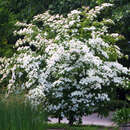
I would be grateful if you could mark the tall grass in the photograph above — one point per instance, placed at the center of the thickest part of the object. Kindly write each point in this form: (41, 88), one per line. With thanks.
(15, 115)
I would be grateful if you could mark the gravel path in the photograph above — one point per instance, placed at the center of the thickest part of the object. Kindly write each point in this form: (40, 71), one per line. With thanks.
(91, 120)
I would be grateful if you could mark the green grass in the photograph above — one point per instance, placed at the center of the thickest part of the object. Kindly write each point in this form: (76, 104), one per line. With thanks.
(78, 127)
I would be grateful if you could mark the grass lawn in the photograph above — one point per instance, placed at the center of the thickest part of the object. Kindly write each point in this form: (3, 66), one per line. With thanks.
(77, 127)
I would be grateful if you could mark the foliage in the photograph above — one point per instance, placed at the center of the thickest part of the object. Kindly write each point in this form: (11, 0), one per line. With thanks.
(7, 21)
(122, 116)
(121, 17)
(16, 115)
(65, 6)
(25, 9)
(68, 65)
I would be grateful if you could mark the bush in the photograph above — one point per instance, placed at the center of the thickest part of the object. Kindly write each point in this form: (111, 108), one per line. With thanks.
(122, 116)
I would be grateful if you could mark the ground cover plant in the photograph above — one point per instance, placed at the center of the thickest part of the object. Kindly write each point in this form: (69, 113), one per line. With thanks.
(67, 64)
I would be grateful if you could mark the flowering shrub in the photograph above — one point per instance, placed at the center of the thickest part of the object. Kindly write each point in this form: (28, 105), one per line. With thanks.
(67, 64)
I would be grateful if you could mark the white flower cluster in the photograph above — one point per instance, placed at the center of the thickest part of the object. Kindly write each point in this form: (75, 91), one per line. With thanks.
(61, 68)
(80, 73)
(97, 10)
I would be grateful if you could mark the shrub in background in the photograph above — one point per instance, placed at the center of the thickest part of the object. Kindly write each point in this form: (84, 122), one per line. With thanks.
(65, 6)
(7, 21)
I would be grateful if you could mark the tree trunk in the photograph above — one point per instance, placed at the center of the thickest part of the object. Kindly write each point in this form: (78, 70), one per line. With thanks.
(71, 120)
(59, 119)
